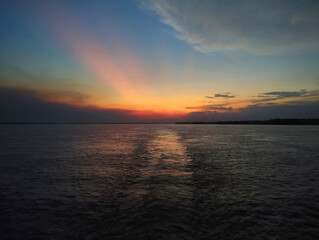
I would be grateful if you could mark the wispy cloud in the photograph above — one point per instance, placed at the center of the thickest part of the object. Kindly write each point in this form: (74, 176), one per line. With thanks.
(283, 94)
(277, 95)
(254, 26)
(256, 112)
(224, 95)
(211, 107)
(266, 99)
(221, 95)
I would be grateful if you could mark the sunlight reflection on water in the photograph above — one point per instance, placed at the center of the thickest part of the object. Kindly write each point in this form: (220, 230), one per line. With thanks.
(167, 155)
(159, 182)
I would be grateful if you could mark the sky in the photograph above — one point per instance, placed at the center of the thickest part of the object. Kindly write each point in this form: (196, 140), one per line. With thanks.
(124, 61)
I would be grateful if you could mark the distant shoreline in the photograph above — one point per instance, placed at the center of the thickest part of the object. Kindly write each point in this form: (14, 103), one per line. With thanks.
(276, 121)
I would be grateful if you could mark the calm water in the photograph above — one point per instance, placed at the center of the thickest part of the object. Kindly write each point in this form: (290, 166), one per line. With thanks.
(159, 182)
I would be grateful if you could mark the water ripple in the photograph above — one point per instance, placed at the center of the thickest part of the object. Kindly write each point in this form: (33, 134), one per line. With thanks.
(159, 182)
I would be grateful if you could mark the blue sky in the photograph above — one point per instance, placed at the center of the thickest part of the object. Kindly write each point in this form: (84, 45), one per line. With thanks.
(161, 56)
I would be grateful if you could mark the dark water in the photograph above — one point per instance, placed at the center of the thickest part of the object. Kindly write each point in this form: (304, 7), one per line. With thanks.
(159, 182)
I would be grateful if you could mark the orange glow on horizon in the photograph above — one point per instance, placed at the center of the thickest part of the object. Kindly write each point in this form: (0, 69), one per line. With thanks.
(127, 78)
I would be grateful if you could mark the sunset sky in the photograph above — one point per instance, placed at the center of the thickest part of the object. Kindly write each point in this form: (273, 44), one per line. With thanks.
(158, 61)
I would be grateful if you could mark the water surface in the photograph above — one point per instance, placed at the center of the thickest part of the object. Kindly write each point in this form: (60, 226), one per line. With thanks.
(159, 182)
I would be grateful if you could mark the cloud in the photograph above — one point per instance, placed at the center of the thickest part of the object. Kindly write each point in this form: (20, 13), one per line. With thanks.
(276, 95)
(224, 95)
(284, 94)
(255, 26)
(27, 105)
(63, 96)
(297, 104)
(211, 107)
(219, 95)
(256, 112)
